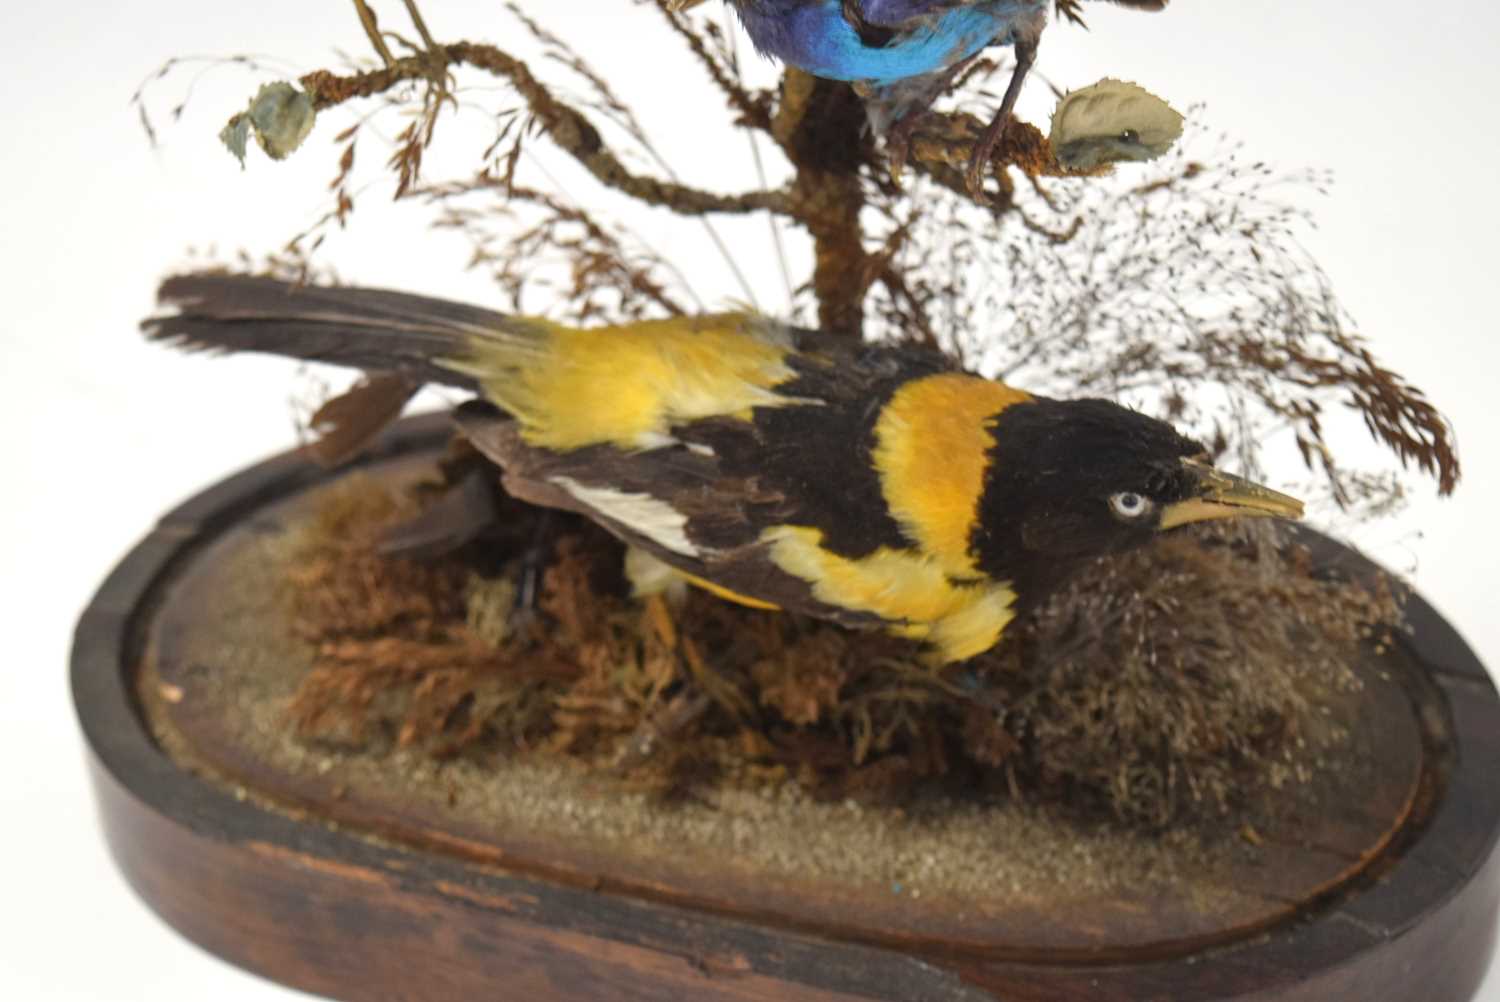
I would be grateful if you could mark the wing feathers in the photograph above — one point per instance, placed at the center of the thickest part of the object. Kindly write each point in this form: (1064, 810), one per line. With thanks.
(674, 503)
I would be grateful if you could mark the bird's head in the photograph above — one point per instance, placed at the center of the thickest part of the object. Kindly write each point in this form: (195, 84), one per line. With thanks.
(1069, 480)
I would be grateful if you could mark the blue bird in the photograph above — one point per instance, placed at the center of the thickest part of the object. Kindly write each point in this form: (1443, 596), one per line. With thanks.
(902, 54)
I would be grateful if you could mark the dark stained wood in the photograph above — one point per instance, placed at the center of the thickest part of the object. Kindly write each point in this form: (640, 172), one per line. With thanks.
(350, 920)
(328, 911)
(1323, 843)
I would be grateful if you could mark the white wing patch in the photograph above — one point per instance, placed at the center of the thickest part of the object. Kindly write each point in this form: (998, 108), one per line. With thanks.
(650, 516)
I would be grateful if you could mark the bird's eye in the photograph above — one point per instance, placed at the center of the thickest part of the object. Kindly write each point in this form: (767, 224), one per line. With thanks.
(1129, 504)
(1130, 136)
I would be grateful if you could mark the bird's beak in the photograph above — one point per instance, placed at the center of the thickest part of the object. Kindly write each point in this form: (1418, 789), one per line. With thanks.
(1223, 495)
(678, 6)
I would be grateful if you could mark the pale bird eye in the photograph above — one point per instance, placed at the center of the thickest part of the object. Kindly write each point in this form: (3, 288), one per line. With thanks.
(1129, 504)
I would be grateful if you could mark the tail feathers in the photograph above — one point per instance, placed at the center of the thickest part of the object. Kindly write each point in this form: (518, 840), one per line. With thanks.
(371, 329)
(344, 425)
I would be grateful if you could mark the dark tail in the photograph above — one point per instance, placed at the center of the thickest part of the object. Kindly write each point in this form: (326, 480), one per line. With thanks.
(371, 329)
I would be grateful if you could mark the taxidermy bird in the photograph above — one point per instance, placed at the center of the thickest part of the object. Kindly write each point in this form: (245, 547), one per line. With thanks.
(871, 485)
(902, 54)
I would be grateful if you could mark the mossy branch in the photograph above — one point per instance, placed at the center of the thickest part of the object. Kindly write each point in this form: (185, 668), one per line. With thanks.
(1184, 293)
(818, 127)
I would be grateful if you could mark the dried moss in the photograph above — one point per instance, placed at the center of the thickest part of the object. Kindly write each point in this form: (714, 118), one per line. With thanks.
(1186, 676)
(1189, 679)
(397, 661)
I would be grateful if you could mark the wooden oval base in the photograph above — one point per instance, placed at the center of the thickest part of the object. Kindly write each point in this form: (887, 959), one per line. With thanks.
(355, 883)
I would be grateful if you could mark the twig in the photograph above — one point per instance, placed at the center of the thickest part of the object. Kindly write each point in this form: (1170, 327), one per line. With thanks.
(420, 25)
(372, 31)
(752, 108)
(567, 127)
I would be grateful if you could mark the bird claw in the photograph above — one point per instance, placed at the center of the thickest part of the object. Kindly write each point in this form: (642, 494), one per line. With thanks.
(974, 178)
(979, 159)
(897, 159)
(898, 144)
(534, 560)
(1025, 49)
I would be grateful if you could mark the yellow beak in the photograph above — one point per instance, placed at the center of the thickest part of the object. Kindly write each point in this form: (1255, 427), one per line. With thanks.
(1223, 495)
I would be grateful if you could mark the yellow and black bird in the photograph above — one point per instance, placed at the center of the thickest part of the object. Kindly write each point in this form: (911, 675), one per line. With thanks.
(779, 467)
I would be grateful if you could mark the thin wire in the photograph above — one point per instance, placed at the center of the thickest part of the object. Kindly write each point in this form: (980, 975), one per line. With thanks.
(713, 234)
(562, 189)
(760, 170)
(707, 224)
(645, 144)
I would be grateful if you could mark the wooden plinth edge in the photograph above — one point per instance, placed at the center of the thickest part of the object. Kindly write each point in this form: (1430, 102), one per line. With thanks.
(333, 913)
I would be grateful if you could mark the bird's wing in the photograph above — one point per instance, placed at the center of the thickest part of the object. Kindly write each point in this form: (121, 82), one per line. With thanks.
(674, 502)
(707, 495)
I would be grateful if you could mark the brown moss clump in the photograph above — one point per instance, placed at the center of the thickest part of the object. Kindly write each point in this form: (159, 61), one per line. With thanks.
(396, 661)
(1188, 675)
(1184, 680)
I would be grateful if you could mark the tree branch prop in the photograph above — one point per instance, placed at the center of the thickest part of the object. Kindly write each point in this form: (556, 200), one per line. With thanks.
(1184, 293)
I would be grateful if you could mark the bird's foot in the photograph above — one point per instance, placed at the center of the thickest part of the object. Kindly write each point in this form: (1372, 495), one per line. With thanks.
(533, 566)
(901, 136)
(979, 158)
(1025, 48)
(898, 143)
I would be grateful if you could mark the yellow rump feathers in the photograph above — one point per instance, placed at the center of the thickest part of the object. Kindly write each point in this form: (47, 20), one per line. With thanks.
(627, 385)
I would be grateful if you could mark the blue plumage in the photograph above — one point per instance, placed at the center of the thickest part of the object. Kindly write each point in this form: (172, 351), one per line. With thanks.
(921, 38)
(902, 54)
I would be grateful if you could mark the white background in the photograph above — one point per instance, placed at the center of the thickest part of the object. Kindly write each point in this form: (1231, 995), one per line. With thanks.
(102, 433)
